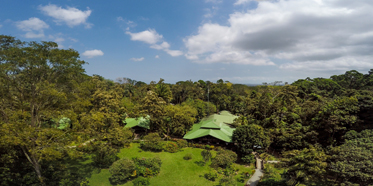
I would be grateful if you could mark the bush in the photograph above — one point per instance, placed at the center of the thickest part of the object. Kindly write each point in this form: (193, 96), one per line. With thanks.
(182, 143)
(171, 147)
(212, 175)
(227, 181)
(152, 142)
(104, 155)
(188, 156)
(248, 158)
(141, 181)
(147, 166)
(224, 158)
(206, 155)
(122, 170)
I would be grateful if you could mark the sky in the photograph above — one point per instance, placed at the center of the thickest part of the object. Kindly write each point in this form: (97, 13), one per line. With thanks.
(241, 41)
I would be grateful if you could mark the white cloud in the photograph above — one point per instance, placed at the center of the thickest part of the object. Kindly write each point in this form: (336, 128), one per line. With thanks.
(93, 53)
(240, 2)
(1, 26)
(316, 35)
(137, 59)
(157, 56)
(153, 38)
(70, 16)
(174, 53)
(148, 36)
(126, 22)
(163, 46)
(31, 26)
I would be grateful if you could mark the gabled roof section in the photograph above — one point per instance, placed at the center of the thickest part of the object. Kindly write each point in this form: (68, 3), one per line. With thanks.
(140, 122)
(216, 125)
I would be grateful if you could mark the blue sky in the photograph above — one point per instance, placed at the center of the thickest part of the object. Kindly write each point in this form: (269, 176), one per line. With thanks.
(242, 41)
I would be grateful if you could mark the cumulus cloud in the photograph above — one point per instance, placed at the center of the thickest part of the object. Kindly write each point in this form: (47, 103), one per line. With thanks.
(157, 56)
(93, 53)
(31, 26)
(148, 36)
(137, 59)
(70, 16)
(155, 40)
(308, 33)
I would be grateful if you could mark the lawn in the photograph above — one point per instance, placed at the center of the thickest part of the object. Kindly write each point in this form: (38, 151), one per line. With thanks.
(174, 171)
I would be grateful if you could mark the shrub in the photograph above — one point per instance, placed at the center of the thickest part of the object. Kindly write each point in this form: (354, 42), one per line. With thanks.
(122, 170)
(206, 155)
(207, 147)
(188, 156)
(212, 175)
(182, 143)
(243, 177)
(152, 142)
(147, 166)
(141, 181)
(104, 155)
(248, 158)
(227, 181)
(171, 147)
(224, 158)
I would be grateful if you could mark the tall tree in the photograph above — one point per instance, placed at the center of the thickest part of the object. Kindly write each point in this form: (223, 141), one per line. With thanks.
(36, 79)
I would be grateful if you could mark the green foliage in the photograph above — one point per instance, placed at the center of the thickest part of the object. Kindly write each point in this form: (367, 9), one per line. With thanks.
(248, 158)
(250, 137)
(119, 137)
(171, 147)
(152, 142)
(141, 181)
(224, 159)
(104, 155)
(188, 156)
(122, 170)
(203, 108)
(227, 181)
(351, 163)
(206, 155)
(212, 175)
(181, 143)
(147, 166)
(307, 166)
(178, 120)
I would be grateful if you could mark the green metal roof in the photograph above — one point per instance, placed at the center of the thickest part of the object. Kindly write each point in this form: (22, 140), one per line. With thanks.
(140, 122)
(215, 125)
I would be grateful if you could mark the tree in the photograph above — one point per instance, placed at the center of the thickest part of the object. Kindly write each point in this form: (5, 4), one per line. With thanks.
(36, 79)
(153, 106)
(305, 167)
(178, 120)
(250, 138)
(122, 170)
(351, 163)
(224, 159)
(163, 91)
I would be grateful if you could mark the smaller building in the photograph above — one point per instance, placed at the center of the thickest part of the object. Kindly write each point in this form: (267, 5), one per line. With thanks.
(214, 128)
(139, 125)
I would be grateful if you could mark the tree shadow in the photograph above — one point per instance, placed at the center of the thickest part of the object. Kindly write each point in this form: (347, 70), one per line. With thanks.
(200, 163)
(78, 169)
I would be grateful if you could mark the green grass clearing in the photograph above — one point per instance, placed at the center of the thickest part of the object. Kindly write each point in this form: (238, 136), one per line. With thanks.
(174, 170)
